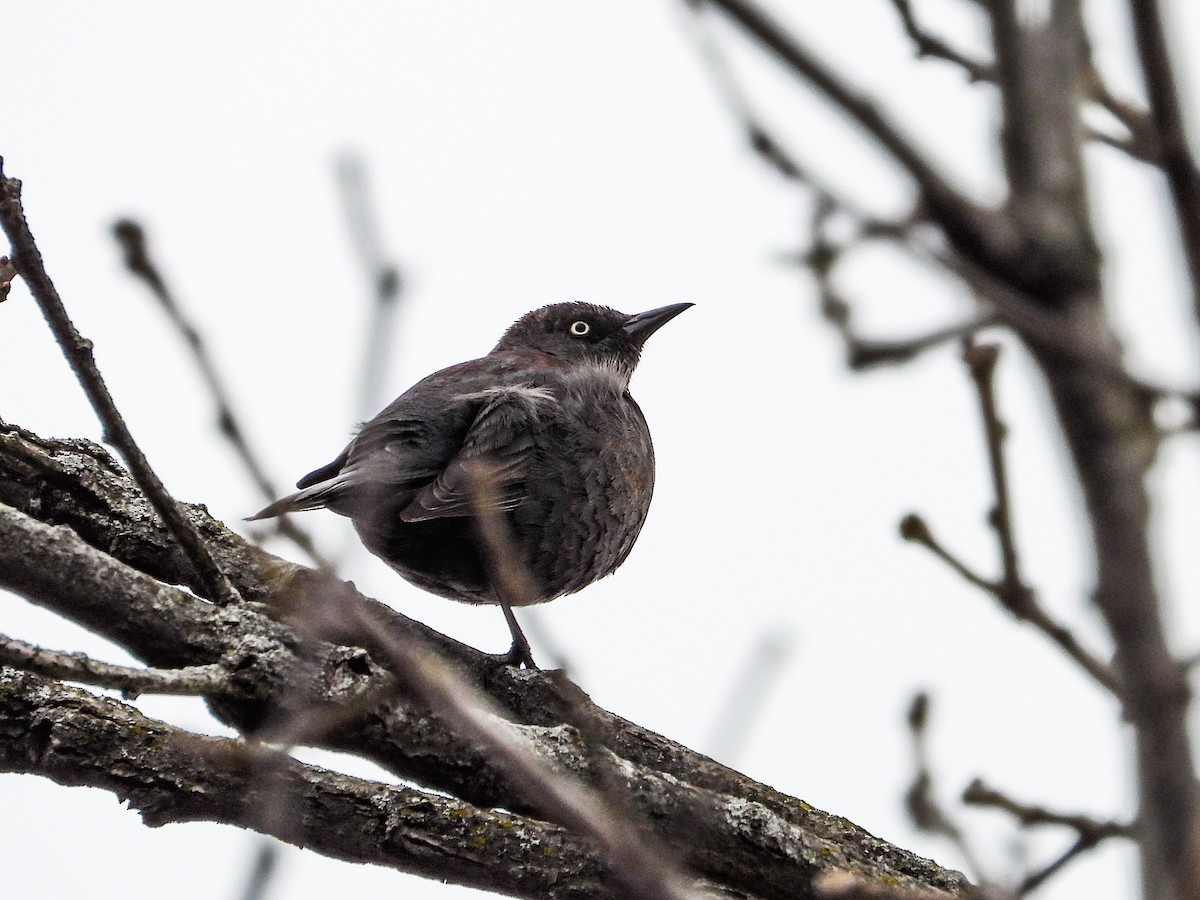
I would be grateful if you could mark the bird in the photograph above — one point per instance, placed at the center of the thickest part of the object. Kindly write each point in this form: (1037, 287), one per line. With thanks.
(541, 433)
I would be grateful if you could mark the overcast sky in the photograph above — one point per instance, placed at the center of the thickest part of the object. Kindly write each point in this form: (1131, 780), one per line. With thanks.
(527, 153)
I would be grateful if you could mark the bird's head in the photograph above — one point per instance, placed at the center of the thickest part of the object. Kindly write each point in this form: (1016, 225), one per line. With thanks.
(587, 333)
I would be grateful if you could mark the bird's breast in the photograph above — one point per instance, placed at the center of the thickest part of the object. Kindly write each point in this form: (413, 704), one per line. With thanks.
(588, 490)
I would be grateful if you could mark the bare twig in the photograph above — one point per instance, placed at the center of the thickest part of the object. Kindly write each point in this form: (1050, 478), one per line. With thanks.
(386, 278)
(922, 805)
(1010, 588)
(132, 239)
(930, 45)
(865, 353)
(759, 674)
(1094, 830)
(78, 351)
(1089, 831)
(1034, 880)
(984, 235)
(262, 869)
(1166, 110)
(203, 681)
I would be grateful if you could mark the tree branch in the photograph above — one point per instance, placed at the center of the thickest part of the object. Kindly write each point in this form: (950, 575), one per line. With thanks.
(168, 775)
(132, 239)
(78, 351)
(983, 235)
(1089, 831)
(725, 827)
(210, 680)
(1175, 157)
(1010, 588)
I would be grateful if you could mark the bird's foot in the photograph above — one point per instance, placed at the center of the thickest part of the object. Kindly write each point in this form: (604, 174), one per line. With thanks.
(518, 655)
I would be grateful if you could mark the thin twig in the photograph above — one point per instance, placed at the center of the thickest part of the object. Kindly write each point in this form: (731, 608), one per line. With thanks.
(1089, 831)
(1010, 589)
(930, 45)
(823, 255)
(78, 351)
(262, 870)
(1034, 880)
(920, 801)
(132, 238)
(1095, 830)
(201, 681)
(986, 234)
(1166, 110)
(386, 278)
(865, 353)
(759, 674)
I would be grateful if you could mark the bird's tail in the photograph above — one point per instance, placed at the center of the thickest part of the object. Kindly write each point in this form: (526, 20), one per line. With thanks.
(314, 496)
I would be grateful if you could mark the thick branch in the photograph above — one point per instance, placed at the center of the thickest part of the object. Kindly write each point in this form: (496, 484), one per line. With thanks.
(724, 826)
(168, 775)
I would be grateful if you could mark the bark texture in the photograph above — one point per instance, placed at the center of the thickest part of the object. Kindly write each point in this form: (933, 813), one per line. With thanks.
(77, 537)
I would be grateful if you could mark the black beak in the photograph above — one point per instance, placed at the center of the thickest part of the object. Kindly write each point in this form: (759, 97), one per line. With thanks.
(641, 325)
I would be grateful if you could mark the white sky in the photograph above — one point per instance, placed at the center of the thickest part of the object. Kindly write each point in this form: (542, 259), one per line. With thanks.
(527, 153)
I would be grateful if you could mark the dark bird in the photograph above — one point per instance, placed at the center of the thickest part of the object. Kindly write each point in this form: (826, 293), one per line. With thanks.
(547, 421)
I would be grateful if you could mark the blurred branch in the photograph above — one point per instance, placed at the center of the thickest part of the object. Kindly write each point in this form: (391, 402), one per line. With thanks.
(1089, 831)
(1175, 157)
(634, 856)
(821, 258)
(1037, 263)
(930, 45)
(758, 675)
(924, 810)
(981, 234)
(78, 351)
(132, 239)
(262, 869)
(1010, 588)
(1094, 830)
(385, 277)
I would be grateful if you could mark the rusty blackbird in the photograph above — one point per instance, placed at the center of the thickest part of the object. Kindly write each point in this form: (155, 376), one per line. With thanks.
(548, 415)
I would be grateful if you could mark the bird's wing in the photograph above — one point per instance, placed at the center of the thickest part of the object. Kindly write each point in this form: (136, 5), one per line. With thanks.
(490, 466)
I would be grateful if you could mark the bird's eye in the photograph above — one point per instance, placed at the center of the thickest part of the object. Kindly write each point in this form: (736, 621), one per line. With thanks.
(579, 329)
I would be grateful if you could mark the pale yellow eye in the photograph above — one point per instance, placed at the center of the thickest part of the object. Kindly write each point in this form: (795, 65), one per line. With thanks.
(579, 329)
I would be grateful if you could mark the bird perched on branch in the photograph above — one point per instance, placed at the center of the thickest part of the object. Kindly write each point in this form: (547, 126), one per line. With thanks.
(533, 461)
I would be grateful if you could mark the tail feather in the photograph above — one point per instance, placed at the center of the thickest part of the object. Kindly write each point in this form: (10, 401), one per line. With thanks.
(313, 497)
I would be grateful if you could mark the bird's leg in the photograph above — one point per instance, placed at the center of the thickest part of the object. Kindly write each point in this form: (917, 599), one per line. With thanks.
(519, 654)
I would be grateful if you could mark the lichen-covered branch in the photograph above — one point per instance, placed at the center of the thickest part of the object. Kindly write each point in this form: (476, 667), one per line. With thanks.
(105, 566)
(76, 738)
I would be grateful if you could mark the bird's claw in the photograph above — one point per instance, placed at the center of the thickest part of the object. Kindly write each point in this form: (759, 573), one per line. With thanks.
(518, 655)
